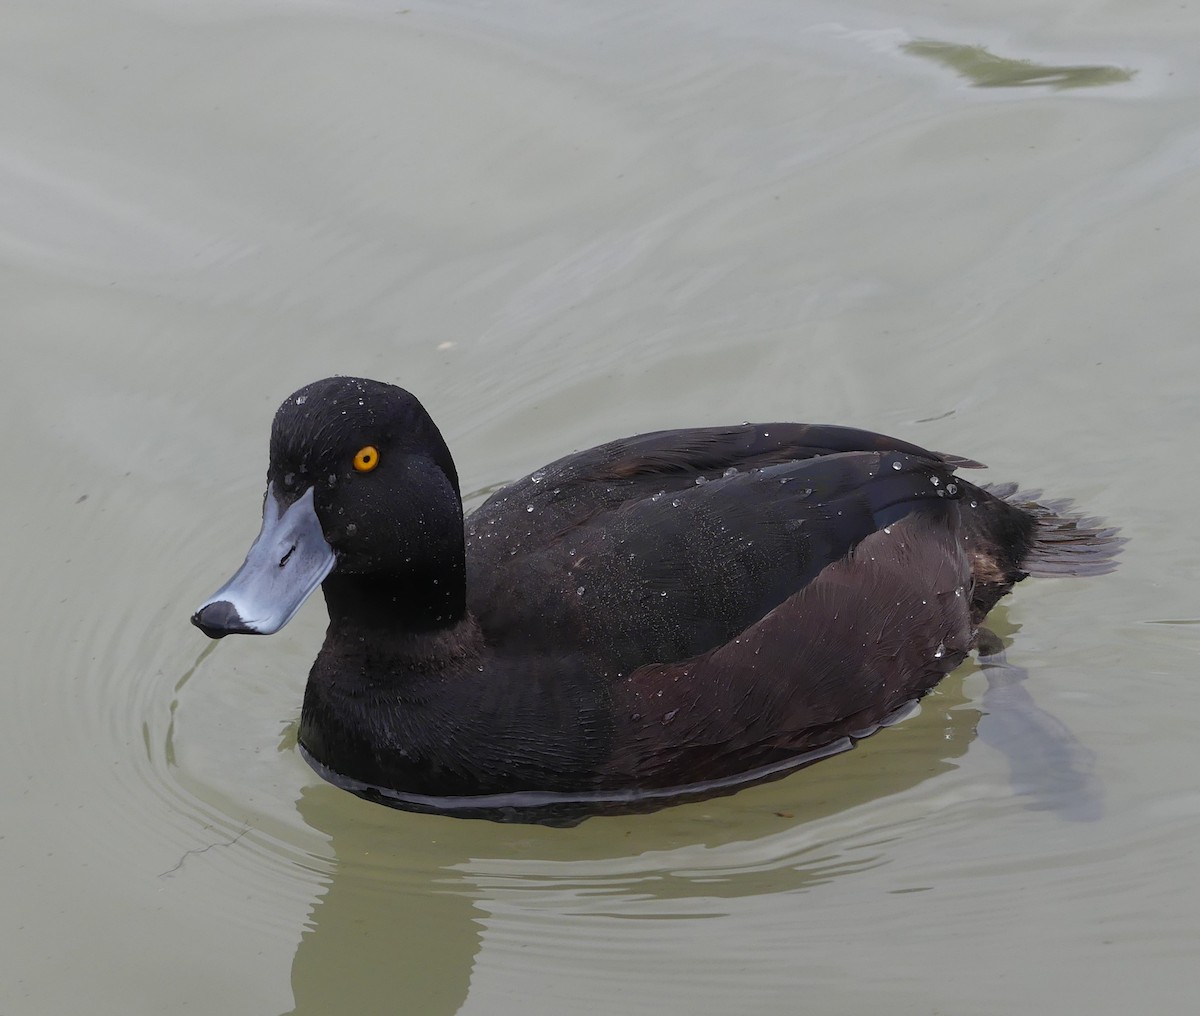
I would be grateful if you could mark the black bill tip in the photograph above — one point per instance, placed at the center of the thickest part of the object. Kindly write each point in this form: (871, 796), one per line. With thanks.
(220, 618)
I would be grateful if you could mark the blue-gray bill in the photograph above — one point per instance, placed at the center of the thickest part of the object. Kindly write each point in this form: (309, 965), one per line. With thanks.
(287, 561)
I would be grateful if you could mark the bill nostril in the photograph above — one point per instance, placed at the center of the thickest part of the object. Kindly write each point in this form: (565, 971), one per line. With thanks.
(284, 560)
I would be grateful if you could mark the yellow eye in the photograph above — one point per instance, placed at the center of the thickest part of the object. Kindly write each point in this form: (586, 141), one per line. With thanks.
(366, 458)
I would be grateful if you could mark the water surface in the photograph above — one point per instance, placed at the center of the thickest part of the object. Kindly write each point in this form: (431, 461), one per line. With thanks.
(557, 224)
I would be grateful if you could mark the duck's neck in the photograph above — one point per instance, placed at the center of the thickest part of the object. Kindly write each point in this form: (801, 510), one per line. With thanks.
(415, 601)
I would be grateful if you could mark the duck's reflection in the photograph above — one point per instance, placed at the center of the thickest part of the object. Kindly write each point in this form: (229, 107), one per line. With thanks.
(385, 937)
(1048, 765)
(1049, 768)
(416, 905)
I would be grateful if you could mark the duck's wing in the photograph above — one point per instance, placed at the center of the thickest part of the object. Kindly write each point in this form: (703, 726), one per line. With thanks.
(664, 546)
(875, 630)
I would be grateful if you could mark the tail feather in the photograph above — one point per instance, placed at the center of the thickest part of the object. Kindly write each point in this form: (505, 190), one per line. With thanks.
(1068, 543)
(1014, 534)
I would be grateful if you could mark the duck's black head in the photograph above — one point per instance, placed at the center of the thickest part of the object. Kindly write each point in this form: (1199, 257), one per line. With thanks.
(362, 496)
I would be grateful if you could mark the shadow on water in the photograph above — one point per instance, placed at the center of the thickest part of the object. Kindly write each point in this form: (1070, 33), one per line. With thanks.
(986, 70)
(410, 897)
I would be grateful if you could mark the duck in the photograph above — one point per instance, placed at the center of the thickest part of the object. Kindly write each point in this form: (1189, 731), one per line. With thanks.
(661, 617)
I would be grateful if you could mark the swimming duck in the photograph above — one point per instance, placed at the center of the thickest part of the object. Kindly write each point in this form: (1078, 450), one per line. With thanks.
(676, 613)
